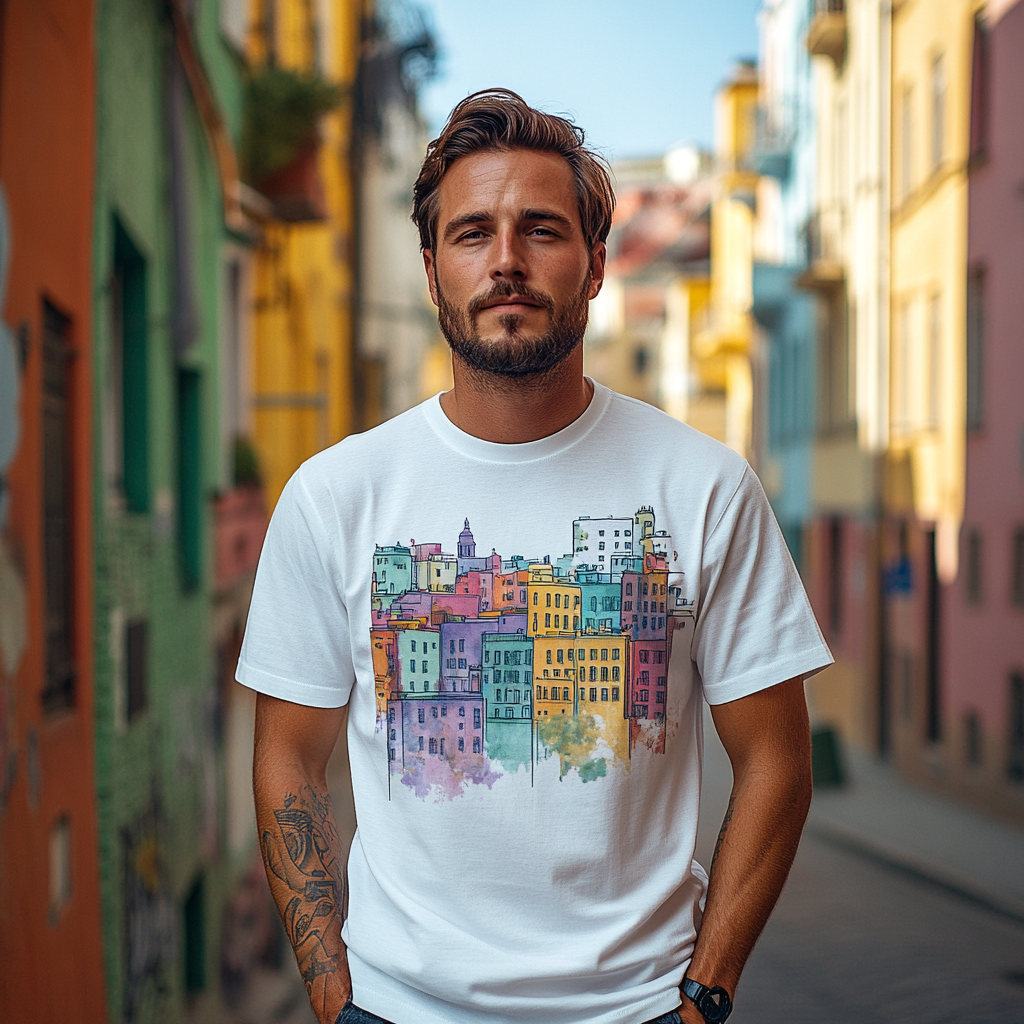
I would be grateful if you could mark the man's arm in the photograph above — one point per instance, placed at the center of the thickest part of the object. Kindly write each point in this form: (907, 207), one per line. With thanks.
(299, 841)
(768, 739)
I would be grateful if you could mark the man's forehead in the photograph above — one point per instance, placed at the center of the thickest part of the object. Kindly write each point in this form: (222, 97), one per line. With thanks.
(505, 181)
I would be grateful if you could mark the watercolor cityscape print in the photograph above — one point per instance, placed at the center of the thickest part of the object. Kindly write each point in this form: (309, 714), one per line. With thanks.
(485, 665)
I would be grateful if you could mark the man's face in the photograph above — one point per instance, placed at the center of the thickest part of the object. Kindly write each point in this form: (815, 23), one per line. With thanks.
(511, 275)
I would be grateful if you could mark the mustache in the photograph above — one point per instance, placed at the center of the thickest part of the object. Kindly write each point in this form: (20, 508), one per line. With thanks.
(506, 289)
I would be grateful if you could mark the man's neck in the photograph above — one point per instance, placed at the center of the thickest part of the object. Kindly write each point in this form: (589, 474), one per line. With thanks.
(508, 410)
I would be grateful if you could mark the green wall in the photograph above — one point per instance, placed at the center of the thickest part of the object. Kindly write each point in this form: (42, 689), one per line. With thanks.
(160, 785)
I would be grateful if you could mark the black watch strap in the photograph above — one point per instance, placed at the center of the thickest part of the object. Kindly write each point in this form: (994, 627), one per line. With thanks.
(714, 1004)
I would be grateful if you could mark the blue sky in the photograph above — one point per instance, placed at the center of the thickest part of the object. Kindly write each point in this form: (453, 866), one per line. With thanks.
(638, 76)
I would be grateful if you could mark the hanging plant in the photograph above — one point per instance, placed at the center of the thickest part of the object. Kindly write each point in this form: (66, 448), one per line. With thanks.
(281, 113)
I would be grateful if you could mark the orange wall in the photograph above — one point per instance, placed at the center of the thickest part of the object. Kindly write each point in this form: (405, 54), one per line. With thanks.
(49, 970)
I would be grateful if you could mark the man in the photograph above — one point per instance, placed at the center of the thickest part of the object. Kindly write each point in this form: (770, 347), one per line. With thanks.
(524, 727)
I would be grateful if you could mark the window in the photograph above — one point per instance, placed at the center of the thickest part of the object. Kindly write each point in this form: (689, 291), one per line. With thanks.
(615, 693)
(979, 90)
(462, 744)
(600, 546)
(1017, 568)
(593, 654)
(593, 673)
(444, 711)
(645, 656)
(1015, 766)
(593, 693)
(451, 646)
(547, 619)
(938, 84)
(561, 656)
(548, 656)
(432, 746)
(547, 599)
(58, 514)
(973, 574)
(582, 655)
(462, 664)
(906, 141)
(604, 653)
(420, 742)
(476, 744)
(127, 408)
(615, 673)
(190, 485)
(462, 712)
(433, 712)
(659, 695)
(604, 673)
(462, 646)
(629, 588)
(421, 715)
(604, 693)
(558, 600)
(565, 693)
(975, 348)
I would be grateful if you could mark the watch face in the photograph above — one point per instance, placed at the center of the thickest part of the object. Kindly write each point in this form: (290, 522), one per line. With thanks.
(715, 1005)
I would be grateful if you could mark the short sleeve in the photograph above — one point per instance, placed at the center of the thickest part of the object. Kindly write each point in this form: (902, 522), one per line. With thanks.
(755, 627)
(296, 645)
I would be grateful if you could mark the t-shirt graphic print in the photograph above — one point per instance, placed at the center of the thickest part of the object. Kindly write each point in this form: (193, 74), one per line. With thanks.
(485, 664)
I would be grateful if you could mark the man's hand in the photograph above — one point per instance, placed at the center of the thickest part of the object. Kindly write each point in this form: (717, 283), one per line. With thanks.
(299, 842)
(768, 739)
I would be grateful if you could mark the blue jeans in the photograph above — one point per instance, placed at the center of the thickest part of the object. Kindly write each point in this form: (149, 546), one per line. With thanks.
(352, 1014)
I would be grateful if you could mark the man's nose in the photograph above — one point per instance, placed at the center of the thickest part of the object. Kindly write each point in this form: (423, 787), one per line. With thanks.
(508, 262)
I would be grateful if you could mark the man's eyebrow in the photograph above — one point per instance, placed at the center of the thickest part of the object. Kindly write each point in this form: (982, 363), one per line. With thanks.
(458, 223)
(545, 215)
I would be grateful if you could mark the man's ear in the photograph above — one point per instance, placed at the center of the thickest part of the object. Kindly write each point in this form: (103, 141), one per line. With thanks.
(598, 256)
(430, 267)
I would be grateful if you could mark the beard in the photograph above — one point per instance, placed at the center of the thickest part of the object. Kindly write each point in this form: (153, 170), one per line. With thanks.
(513, 354)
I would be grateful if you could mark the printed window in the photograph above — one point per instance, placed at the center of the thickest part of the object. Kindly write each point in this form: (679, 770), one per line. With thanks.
(535, 597)
(604, 653)
(604, 673)
(593, 693)
(462, 646)
(600, 533)
(659, 696)
(575, 622)
(476, 744)
(518, 696)
(615, 654)
(508, 712)
(547, 619)
(391, 714)
(616, 533)
(526, 714)
(604, 693)
(496, 712)
(487, 656)
(421, 715)
(583, 693)
(548, 655)
(547, 599)
(451, 646)
(545, 693)
(565, 693)
(615, 693)
(497, 676)
(414, 647)
(645, 656)
(561, 656)
(629, 588)
(538, 693)
(571, 653)
(593, 654)
(593, 673)
(442, 747)
(462, 711)
(582, 655)
(462, 744)
(433, 712)
(421, 743)
(462, 662)
(600, 546)
(444, 711)
(615, 673)
(558, 600)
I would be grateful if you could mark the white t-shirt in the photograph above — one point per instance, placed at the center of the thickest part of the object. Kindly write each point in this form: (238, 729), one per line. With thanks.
(524, 634)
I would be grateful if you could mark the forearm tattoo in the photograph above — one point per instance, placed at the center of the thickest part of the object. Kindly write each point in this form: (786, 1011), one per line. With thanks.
(723, 830)
(302, 854)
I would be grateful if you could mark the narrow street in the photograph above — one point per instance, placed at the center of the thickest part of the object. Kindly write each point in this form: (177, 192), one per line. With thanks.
(854, 940)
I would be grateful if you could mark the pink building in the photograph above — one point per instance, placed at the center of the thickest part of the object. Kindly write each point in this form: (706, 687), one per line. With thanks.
(983, 611)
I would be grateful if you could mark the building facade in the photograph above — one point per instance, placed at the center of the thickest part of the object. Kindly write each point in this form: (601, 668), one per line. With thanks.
(50, 908)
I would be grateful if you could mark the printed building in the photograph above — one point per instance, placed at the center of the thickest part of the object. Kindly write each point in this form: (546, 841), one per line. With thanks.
(419, 660)
(596, 541)
(554, 605)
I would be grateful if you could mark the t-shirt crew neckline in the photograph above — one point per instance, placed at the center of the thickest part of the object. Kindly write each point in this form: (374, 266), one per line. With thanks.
(529, 451)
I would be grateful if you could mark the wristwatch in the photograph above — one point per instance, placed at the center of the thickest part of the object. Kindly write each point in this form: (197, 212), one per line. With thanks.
(714, 1004)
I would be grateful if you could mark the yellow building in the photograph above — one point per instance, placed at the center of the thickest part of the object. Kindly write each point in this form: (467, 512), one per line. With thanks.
(302, 327)
(553, 605)
(720, 349)
(931, 82)
(554, 676)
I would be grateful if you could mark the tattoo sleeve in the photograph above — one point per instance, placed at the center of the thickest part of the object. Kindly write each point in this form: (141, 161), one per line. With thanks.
(300, 849)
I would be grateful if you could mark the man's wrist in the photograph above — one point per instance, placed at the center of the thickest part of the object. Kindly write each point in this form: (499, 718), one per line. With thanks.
(713, 1003)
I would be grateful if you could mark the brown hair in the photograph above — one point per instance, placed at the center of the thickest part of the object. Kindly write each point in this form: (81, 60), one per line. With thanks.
(499, 119)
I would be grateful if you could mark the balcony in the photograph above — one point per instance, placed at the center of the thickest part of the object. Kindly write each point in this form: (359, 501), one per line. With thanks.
(240, 522)
(773, 147)
(826, 34)
(825, 271)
